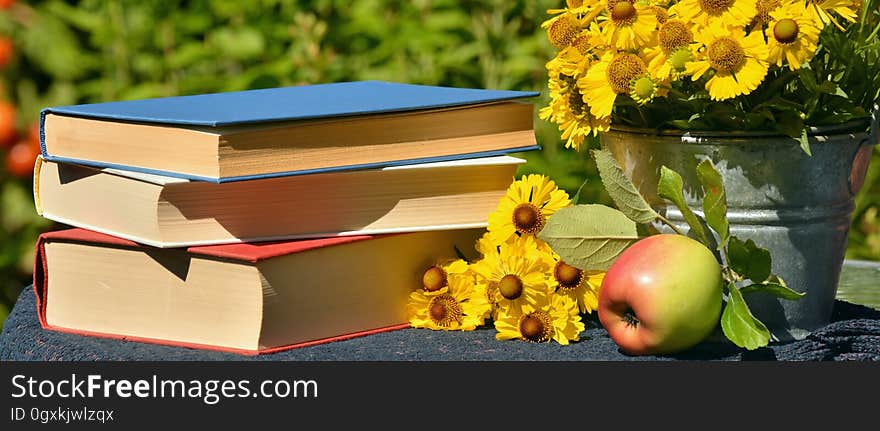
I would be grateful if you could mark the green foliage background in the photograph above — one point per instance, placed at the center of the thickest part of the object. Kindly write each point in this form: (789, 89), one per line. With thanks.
(87, 51)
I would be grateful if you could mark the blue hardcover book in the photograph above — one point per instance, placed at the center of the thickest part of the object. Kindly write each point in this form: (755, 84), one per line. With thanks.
(234, 136)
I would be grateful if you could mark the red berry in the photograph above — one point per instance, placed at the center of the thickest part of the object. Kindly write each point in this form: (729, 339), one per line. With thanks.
(34, 135)
(20, 159)
(7, 51)
(6, 4)
(7, 124)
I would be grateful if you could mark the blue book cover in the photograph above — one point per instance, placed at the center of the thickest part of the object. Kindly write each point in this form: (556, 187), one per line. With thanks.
(308, 102)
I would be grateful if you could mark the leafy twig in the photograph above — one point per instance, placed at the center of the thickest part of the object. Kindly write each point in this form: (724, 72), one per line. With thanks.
(742, 262)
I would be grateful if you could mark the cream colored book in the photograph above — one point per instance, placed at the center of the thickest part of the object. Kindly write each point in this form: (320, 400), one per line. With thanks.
(247, 298)
(171, 212)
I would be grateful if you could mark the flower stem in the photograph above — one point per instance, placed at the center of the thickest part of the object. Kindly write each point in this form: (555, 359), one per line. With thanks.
(669, 223)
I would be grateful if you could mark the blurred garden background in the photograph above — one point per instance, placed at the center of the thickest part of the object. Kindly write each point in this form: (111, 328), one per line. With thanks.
(67, 52)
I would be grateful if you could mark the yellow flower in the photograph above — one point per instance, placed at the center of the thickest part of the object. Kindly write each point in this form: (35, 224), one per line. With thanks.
(525, 208)
(563, 29)
(611, 75)
(484, 299)
(581, 286)
(764, 8)
(564, 65)
(819, 11)
(567, 108)
(792, 35)
(573, 6)
(660, 12)
(555, 110)
(455, 309)
(487, 290)
(435, 279)
(668, 59)
(583, 10)
(572, 115)
(629, 25)
(555, 318)
(644, 89)
(576, 58)
(516, 271)
(733, 13)
(738, 62)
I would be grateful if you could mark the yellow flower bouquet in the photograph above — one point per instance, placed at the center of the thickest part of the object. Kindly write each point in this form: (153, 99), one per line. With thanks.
(699, 107)
(722, 91)
(779, 65)
(518, 284)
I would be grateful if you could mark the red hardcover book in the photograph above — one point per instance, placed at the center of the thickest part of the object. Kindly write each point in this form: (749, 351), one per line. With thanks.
(245, 298)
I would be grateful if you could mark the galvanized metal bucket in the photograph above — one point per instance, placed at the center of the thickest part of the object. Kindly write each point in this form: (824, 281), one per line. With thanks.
(797, 206)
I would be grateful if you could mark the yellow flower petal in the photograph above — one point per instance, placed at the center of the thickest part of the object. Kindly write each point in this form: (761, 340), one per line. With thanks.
(542, 198)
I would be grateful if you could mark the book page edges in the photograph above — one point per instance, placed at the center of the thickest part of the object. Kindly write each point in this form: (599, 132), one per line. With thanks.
(40, 286)
(159, 178)
(119, 169)
(202, 159)
(235, 241)
(38, 166)
(96, 142)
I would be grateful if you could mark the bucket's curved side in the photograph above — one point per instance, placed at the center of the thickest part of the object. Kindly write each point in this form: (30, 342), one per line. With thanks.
(799, 207)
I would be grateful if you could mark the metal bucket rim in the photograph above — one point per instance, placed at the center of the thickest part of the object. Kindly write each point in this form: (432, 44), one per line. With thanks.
(859, 126)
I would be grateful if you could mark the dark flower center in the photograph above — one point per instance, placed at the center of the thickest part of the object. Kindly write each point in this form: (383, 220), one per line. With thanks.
(444, 310)
(716, 7)
(434, 279)
(623, 13)
(510, 286)
(764, 8)
(583, 44)
(567, 276)
(536, 327)
(563, 31)
(726, 55)
(674, 34)
(576, 101)
(622, 70)
(786, 31)
(527, 218)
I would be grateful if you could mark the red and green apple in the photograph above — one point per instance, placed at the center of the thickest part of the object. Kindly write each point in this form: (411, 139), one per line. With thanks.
(662, 295)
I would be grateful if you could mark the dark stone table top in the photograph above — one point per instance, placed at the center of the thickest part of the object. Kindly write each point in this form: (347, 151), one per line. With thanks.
(854, 334)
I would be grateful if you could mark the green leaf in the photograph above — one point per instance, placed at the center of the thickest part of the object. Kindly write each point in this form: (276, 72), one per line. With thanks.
(739, 325)
(808, 79)
(589, 237)
(624, 193)
(242, 43)
(49, 43)
(715, 200)
(781, 103)
(748, 260)
(671, 187)
(577, 196)
(790, 123)
(805, 142)
(775, 289)
(827, 87)
(680, 124)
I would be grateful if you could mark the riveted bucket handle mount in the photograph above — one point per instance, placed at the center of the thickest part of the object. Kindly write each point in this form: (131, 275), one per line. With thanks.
(875, 126)
(863, 154)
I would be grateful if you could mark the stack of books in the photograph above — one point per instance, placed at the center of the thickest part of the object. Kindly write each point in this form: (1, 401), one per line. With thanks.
(263, 220)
